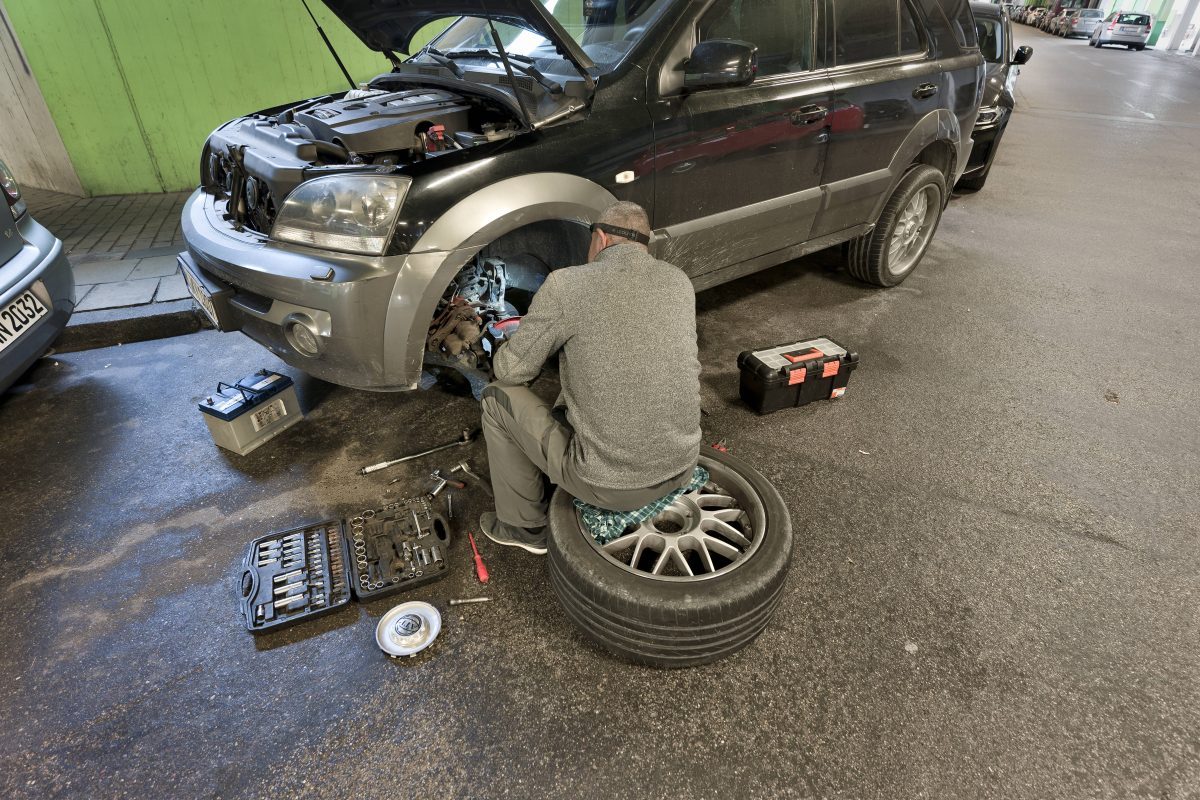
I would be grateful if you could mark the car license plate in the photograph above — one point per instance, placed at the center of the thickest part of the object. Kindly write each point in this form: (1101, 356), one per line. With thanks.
(18, 317)
(1129, 30)
(200, 295)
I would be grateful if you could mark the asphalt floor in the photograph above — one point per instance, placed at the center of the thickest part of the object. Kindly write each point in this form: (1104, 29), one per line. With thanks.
(993, 591)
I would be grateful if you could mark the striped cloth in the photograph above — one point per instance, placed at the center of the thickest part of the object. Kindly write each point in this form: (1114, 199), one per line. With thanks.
(605, 525)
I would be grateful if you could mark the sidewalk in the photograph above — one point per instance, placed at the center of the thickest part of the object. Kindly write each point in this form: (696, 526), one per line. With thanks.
(122, 247)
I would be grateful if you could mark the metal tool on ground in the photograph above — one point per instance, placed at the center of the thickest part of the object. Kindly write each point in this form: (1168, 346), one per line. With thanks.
(480, 568)
(466, 438)
(465, 600)
(465, 468)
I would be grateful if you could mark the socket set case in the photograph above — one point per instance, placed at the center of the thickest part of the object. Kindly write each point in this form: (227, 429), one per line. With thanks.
(795, 374)
(305, 572)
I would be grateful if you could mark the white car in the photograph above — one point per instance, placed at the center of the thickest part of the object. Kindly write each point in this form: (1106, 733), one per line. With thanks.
(1130, 28)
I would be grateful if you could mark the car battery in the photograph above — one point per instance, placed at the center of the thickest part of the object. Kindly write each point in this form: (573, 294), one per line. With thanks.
(245, 415)
(794, 374)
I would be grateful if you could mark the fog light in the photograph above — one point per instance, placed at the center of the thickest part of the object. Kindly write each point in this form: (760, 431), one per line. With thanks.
(302, 336)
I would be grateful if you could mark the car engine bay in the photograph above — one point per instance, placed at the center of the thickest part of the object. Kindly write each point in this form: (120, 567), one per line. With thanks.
(253, 163)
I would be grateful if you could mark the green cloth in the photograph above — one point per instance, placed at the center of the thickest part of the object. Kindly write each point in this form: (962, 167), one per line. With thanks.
(605, 525)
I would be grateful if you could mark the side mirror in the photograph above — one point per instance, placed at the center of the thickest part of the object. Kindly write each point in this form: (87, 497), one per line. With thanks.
(721, 62)
(1023, 54)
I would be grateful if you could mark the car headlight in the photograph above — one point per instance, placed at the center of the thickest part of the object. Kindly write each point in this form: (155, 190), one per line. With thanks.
(353, 213)
(990, 115)
(11, 191)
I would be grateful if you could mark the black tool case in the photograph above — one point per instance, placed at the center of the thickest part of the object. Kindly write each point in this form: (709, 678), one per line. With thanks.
(794, 374)
(305, 572)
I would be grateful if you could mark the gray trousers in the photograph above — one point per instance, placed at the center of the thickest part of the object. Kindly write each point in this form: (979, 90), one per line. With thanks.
(527, 439)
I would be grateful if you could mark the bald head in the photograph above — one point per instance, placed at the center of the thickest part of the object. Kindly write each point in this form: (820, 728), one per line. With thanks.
(620, 215)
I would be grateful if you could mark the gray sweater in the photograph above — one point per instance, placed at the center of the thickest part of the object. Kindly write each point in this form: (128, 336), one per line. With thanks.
(626, 328)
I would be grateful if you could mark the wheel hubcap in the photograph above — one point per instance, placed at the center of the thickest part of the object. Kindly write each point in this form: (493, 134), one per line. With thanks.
(705, 533)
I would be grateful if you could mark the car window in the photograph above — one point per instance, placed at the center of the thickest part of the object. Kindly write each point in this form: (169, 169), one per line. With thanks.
(780, 29)
(868, 30)
(1133, 19)
(991, 42)
(1091, 13)
(963, 25)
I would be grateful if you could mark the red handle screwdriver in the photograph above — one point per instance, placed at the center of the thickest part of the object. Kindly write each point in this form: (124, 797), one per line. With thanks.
(480, 570)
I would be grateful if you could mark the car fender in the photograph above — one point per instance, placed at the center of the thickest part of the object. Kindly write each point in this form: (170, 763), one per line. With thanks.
(939, 125)
(457, 236)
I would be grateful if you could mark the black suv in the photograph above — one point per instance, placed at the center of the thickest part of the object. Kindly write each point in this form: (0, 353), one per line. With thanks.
(361, 234)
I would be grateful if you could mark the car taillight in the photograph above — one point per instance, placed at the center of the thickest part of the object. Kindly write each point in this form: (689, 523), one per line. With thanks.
(1112, 24)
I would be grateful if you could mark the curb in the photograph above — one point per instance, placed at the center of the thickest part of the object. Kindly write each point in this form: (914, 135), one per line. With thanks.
(89, 330)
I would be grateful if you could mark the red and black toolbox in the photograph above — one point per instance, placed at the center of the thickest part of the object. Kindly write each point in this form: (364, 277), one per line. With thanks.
(794, 374)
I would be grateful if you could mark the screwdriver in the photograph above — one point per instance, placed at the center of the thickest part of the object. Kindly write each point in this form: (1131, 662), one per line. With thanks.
(480, 570)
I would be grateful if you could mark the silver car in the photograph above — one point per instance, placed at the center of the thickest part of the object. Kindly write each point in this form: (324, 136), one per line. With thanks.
(1080, 23)
(1130, 28)
(37, 288)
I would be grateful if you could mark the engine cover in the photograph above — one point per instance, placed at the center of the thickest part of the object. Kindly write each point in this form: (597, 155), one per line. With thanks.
(385, 122)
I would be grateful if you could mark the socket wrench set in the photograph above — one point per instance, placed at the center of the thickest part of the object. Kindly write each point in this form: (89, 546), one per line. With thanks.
(305, 572)
(397, 547)
(294, 575)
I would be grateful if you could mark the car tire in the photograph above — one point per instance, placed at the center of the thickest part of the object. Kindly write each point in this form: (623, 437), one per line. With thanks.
(1140, 47)
(675, 621)
(871, 258)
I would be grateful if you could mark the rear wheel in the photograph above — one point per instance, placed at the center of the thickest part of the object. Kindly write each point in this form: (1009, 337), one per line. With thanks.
(889, 253)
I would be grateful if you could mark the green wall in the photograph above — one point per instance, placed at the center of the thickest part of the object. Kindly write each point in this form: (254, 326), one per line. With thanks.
(135, 86)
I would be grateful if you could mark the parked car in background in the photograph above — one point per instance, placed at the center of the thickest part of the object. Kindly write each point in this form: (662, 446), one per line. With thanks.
(1130, 28)
(1057, 21)
(1003, 64)
(1034, 16)
(1081, 22)
(1049, 20)
(352, 232)
(37, 287)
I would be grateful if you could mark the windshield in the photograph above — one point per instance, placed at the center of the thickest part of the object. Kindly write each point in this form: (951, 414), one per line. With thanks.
(605, 29)
(990, 39)
(1133, 19)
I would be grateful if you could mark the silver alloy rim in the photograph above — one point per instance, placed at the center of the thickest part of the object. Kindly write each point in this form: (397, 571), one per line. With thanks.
(911, 231)
(701, 535)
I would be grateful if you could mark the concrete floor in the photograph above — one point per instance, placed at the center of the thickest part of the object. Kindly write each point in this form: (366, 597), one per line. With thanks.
(995, 581)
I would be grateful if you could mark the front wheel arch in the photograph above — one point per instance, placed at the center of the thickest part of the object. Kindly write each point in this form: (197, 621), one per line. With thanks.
(459, 235)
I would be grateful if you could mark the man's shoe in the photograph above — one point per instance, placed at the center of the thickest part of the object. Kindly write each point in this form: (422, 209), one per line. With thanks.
(532, 541)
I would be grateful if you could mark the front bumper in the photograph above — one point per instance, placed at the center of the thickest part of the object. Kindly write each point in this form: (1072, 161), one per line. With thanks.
(41, 259)
(986, 140)
(361, 308)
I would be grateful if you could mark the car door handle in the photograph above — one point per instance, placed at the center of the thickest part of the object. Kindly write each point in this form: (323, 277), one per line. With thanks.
(925, 90)
(807, 115)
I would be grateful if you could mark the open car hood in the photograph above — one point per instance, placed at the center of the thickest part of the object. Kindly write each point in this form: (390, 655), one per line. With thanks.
(392, 24)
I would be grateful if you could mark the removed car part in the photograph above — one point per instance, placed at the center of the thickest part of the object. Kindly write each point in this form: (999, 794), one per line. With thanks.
(692, 585)
(408, 629)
